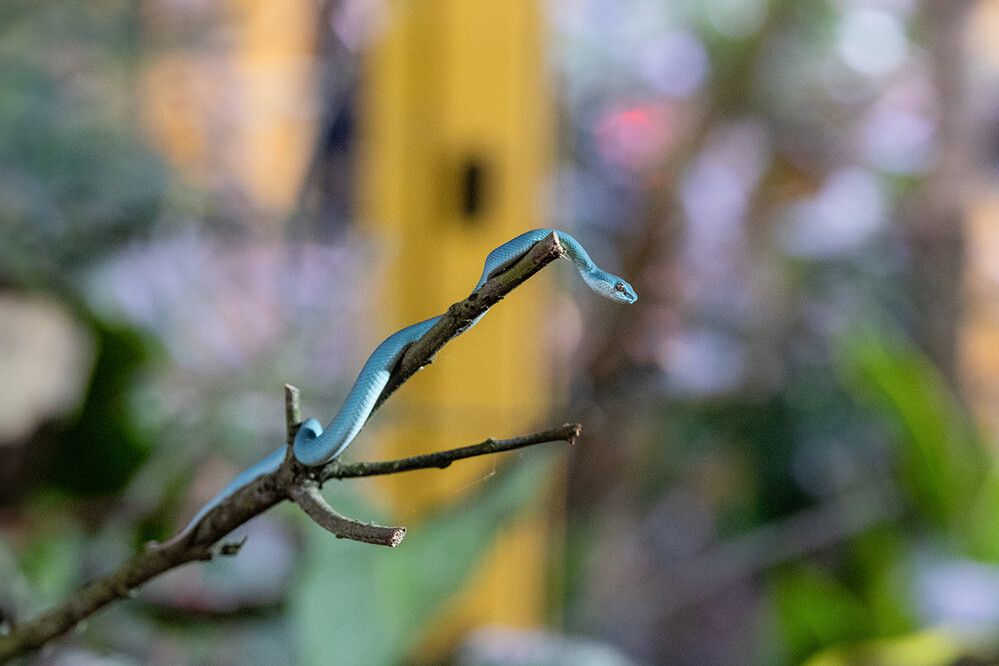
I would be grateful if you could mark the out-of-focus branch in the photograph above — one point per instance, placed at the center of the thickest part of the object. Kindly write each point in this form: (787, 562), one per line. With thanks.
(935, 217)
(291, 480)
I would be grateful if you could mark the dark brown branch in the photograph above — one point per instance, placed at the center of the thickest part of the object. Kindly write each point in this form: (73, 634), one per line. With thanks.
(441, 459)
(268, 489)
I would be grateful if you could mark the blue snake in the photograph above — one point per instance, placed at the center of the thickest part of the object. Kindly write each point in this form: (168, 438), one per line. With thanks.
(314, 446)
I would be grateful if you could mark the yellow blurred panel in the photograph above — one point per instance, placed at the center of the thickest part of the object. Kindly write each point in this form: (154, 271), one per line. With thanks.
(453, 83)
(454, 95)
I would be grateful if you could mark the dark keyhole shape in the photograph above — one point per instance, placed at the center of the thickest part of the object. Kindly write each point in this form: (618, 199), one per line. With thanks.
(473, 188)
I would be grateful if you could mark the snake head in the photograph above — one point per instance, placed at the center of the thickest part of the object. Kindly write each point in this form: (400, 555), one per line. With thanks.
(610, 286)
(624, 292)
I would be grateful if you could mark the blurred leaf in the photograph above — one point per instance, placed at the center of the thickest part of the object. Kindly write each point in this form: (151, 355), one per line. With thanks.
(52, 560)
(363, 604)
(876, 569)
(942, 457)
(983, 523)
(817, 610)
(926, 648)
(102, 448)
(17, 597)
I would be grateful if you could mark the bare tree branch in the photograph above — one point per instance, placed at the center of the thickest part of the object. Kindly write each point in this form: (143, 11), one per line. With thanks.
(441, 459)
(293, 480)
(315, 506)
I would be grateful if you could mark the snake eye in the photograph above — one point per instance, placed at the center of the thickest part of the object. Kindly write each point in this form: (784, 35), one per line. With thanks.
(619, 286)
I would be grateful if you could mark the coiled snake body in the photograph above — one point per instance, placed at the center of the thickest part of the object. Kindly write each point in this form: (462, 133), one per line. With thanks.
(315, 446)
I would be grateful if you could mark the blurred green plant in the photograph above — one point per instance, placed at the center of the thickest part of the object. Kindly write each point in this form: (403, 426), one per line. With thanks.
(372, 605)
(101, 447)
(863, 605)
(943, 458)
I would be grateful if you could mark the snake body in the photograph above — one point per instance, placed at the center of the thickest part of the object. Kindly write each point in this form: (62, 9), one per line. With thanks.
(315, 446)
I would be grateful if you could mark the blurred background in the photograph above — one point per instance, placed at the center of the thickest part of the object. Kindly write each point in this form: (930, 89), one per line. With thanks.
(789, 450)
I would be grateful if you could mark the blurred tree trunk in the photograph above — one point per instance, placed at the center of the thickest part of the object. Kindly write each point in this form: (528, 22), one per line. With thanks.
(935, 229)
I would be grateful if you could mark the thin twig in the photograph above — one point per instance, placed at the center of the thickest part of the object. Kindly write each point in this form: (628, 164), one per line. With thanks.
(441, 459)
(292, 412)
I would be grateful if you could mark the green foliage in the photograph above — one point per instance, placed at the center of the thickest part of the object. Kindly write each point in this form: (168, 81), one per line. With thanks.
(817, 610)
(16, 593)
(357, 603)
(106, 427)
(877, 567)
(862, 608)
(860, 599)
(943, 459)
(864, 596)
(51, 562)
(983, 519)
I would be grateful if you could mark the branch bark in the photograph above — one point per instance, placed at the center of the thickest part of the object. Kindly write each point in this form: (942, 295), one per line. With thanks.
(315, 506)
(295, 481)
(441, 459)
